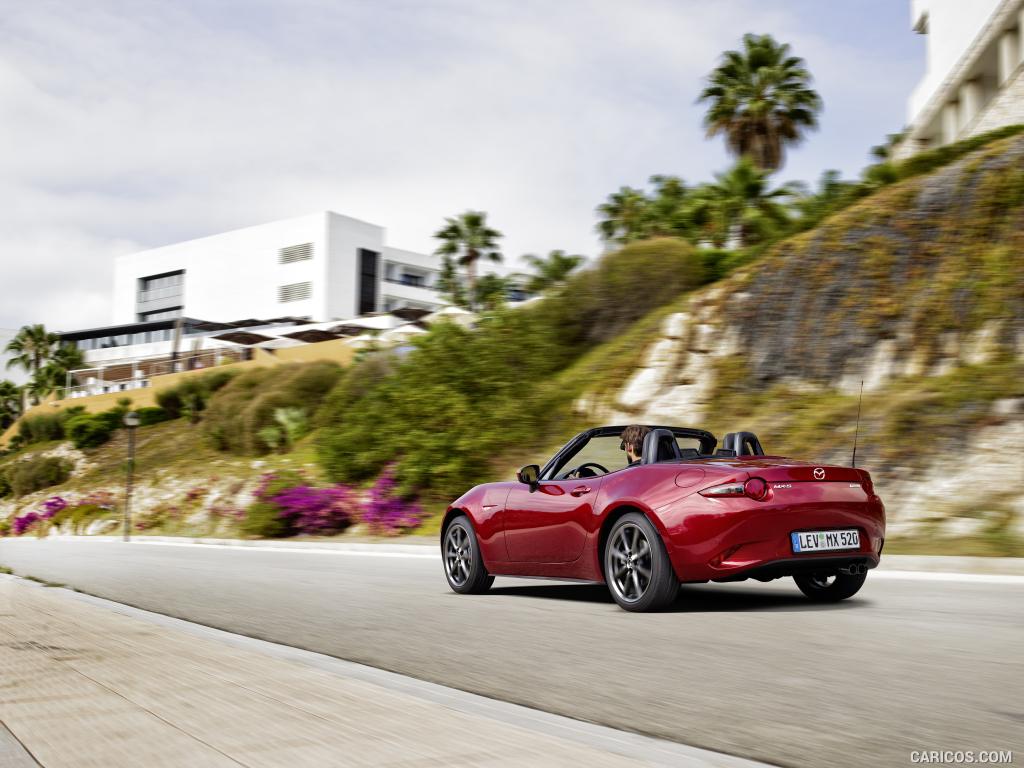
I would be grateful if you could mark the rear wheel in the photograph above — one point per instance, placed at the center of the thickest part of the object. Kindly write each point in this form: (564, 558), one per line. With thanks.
(636, 566)
(829, 587)
(463, 564)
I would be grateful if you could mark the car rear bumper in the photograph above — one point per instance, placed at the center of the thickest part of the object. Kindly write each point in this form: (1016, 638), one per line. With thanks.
(792, 566)
(737, 543)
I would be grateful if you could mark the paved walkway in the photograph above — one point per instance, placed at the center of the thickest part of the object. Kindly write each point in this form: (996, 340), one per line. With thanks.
(83, 683)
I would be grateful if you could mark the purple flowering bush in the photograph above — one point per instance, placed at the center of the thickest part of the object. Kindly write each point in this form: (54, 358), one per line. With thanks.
(57, 511)
(32, 520)
(52, 506)
(287, 505)
(386, 512)
(25, 522)
(317, 510)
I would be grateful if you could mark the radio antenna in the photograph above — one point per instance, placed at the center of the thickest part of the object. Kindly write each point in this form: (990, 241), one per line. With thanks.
(856, 432)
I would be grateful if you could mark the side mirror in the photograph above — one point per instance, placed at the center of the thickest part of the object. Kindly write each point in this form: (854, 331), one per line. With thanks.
(530, 475)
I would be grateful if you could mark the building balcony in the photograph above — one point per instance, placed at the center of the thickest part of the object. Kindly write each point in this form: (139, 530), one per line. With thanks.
(401, 294)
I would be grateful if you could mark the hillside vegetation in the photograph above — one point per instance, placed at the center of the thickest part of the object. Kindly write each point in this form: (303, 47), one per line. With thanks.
(917, 289)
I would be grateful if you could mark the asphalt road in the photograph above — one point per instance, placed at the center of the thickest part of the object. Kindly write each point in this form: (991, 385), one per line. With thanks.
(752, 670)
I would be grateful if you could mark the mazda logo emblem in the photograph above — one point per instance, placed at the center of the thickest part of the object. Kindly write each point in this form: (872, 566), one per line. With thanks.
(819, 473)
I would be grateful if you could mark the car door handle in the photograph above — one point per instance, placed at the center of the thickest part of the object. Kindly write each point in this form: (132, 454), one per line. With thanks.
(580, 490)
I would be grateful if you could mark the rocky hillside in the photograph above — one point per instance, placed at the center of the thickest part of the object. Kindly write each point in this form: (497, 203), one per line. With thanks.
(918, 292)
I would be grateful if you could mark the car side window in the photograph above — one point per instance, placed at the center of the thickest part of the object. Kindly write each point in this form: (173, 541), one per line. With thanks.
(598, 456)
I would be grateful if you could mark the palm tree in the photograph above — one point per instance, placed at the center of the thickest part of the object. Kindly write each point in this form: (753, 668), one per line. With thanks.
(760, 99)
(625, 216)
(449, 285)
(32, 346)
(10, 403)
(491, 292)
(550, 271)
(832, 193)
(465, 239)
(53, 376)
(738, 205)
(668, 206)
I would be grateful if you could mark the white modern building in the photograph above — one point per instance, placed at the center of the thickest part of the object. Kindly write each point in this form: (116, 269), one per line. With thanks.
(323, 267)
(973, 81)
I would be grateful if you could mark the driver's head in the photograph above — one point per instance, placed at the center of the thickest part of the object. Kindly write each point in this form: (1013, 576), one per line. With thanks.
(633, 441)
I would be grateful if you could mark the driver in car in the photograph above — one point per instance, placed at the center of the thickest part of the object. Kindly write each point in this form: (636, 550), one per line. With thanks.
(633, 442)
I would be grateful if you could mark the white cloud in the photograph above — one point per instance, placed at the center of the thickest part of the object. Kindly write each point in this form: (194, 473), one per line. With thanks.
(134, 124)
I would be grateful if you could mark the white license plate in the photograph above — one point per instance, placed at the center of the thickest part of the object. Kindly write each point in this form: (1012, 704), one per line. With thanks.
(820, 541)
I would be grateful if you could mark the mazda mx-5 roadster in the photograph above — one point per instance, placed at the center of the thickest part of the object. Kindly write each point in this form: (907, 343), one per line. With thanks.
(682, 512)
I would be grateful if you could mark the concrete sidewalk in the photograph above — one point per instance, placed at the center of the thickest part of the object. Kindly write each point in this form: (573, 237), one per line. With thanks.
(84, 683)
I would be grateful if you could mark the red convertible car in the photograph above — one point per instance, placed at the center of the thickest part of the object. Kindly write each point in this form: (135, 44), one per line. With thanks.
(683, 512)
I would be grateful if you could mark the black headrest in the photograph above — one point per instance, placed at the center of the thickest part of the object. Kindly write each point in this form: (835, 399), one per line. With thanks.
(743, 443)
(660, 445)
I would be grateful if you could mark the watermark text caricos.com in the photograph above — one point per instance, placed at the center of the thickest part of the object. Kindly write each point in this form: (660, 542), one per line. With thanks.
(961, 757)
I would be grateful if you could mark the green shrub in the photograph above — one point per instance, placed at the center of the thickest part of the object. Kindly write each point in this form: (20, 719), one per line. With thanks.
(5, 484)
(189, 397)
(267, 408)
(34, 474)
(598, 303)
(926, 162)
(263, 517)
(151, 415)
(5, 529)
(44, 427)
(90, 430)
(41, 428)
(446, 409)
(80, 515)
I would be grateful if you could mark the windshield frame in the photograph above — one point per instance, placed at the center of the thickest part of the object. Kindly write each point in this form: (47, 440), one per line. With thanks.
(576, 444)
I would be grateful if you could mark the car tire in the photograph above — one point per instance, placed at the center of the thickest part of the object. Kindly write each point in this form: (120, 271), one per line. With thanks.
(637, 570)
(829, 587)
(460, 556)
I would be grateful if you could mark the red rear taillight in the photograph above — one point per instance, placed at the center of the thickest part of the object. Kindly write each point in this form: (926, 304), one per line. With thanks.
(717, 491)
(755, 488)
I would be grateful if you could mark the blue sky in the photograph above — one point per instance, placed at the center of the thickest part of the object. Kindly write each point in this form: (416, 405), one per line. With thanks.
(135, 123)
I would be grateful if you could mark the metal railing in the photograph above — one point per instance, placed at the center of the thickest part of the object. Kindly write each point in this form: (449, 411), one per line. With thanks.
(99, 380)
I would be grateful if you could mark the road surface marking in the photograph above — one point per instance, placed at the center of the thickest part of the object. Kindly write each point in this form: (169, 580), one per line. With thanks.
(975, 578)
(429, 553)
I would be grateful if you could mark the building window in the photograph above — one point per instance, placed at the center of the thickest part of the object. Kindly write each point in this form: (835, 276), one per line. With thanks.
(368, 261)
(171, 313)
(294, 253)
(294, 292)
(410, 279)
(161, 286)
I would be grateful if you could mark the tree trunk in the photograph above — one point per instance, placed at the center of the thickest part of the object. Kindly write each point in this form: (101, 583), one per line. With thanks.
(471, 259)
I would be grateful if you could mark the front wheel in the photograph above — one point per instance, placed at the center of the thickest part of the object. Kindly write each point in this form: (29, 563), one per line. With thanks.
(463, 564)
(830, 587)
(636, 566)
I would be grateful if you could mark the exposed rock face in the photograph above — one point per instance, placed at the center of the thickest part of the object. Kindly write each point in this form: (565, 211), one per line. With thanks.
(919, 281)
(985, 479)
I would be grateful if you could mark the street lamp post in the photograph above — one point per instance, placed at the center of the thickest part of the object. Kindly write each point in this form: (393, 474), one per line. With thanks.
(131, 421)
